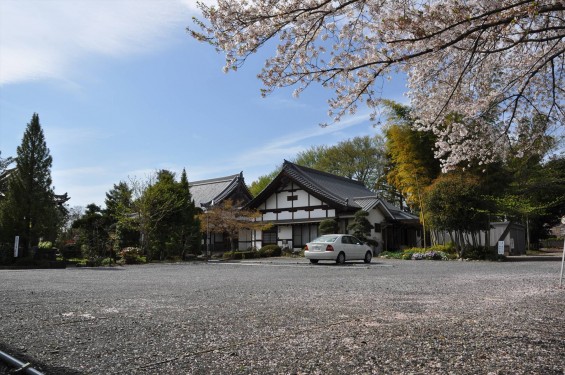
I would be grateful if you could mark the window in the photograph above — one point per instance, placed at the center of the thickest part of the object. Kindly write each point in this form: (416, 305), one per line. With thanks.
(270, 237)
(378, 228)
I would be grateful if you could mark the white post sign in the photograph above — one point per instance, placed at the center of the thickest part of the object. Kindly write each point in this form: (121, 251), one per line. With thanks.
(563, 256)
(500, 247)
(16, 246)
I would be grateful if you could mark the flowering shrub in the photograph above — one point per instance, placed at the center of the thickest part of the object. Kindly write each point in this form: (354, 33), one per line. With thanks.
(436, 252)
(430, 255)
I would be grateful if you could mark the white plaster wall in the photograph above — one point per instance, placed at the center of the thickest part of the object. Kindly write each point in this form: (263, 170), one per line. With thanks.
(301, 214)
(271, 202)
(285, 215)
(302, 200)
(318, 213)
(376, 216)
(285, 232)
(269, 216)
(315, 201)
(282, 200)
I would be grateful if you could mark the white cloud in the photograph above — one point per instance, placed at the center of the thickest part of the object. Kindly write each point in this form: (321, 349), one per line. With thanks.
(271, 154)
(74, 173)
(49, 39)
(292, 143)
(58, 136)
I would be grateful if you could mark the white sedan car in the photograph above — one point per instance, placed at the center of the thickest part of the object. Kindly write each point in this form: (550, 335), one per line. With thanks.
(337, 247)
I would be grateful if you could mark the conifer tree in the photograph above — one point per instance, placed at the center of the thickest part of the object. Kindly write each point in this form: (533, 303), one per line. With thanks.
(29, 209)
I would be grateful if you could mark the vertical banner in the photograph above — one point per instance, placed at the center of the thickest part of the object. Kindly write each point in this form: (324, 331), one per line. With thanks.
(16, 246)
(500, 247)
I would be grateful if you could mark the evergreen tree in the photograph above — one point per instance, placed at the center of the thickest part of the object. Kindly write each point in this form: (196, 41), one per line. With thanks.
(119, 209)
(94, 232)
(118, 201)
(328, 226)
(29, 209)
(4, 171)
(166, 217)
(360, 227)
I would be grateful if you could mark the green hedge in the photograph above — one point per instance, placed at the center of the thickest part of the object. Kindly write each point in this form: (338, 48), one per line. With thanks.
(265, 252)
(443, 252)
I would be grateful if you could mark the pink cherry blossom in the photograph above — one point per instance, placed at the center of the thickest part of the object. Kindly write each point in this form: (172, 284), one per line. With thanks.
(493, 63)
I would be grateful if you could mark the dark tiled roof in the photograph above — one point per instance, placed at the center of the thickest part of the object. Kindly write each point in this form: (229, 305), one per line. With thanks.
(332, 189)
(393, 212)
(216, 189)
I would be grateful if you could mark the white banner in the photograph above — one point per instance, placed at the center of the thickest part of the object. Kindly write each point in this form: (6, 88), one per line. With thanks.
(500, 247)
(16, 246)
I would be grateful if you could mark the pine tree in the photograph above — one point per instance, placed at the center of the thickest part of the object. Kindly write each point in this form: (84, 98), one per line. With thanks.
(360, 227)
(29, 209)
(4, 172)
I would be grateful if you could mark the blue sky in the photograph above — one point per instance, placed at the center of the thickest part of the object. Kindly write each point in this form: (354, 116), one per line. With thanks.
(122, 90)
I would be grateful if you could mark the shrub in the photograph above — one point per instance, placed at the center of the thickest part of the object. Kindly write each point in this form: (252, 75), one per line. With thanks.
(392, 254)
(271, 250)
(6, 253)
(70, 251)
(106, 262)
(430, 255)
(449, 248)
(266, 251)
(292, 252)
(44, 245)
(437, 252)
(132, 255)
(228, 255)
(481, 253)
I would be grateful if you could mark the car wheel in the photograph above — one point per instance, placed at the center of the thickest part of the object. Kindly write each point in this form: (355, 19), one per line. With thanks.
(340, 258)
(314, 261)
(368, 257)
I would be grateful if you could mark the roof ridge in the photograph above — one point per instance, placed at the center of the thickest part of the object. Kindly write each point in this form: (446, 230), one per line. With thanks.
(214, 180)
(330, 194)
(325, 173)
(229, 187)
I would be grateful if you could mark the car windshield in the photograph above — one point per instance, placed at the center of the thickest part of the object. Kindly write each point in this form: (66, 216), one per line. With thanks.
(326, 238)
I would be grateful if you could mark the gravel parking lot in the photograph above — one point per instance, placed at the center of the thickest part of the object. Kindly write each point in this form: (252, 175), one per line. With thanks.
(285, 316)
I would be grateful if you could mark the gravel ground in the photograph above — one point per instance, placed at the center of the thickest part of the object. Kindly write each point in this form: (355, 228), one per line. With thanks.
(286, 316)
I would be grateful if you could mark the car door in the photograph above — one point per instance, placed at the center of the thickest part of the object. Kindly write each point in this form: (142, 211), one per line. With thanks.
(357, 248)
(346, 247)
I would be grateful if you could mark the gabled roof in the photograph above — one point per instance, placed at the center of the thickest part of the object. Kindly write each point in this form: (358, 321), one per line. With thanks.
(206, 192)
(389, 210)
(331, 189)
